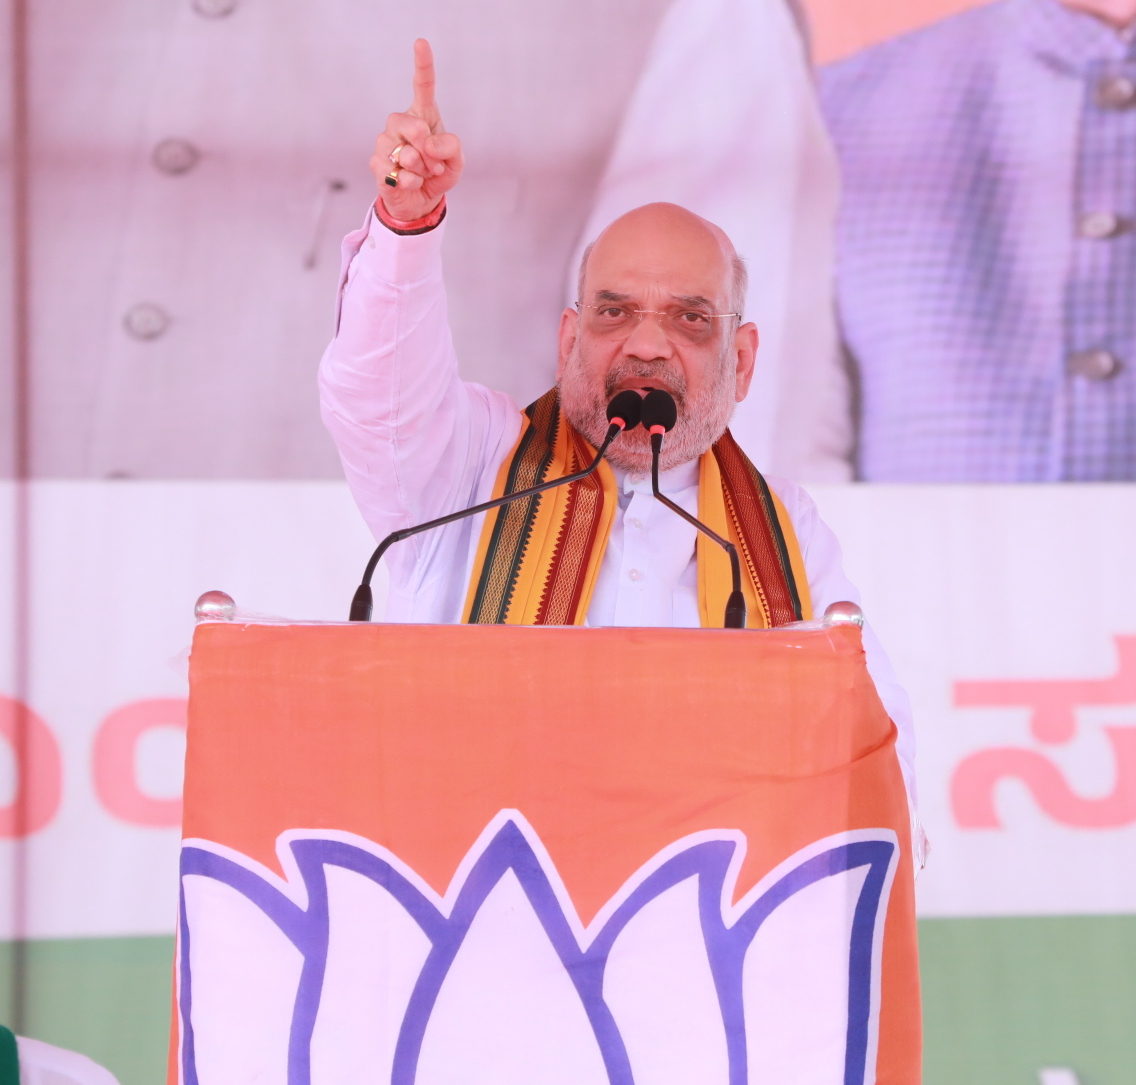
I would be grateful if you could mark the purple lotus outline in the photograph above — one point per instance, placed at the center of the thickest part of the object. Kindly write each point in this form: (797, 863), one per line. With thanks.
(509, 849)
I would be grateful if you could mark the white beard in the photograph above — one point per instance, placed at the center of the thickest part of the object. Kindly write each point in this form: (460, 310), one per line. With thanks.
(702, 419)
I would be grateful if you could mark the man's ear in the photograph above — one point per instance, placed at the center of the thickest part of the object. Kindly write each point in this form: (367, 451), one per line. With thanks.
(569, 330)
(745, 349)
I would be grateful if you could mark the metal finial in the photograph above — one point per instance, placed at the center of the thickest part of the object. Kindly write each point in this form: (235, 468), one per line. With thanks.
(843, 613)
(214, 606)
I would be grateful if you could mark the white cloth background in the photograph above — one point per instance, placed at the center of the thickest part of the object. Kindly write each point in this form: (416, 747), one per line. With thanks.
(45, 1064)
(724, 121)
(280, 97)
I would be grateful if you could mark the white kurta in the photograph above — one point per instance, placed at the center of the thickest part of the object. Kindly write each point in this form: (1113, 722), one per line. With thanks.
(417, 442)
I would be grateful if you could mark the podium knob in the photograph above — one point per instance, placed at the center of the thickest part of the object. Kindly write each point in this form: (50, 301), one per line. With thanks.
(215, 606)
(843, 613)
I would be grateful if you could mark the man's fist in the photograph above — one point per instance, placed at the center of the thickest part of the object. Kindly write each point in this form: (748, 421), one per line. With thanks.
(428, 160)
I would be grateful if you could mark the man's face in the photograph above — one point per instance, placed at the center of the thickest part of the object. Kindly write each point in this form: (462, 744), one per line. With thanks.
(667, 262)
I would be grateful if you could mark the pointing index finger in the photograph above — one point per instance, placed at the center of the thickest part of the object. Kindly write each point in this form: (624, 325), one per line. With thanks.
(423, 79)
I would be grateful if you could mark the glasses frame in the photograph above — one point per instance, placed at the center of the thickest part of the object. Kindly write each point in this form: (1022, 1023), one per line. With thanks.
(641, 313)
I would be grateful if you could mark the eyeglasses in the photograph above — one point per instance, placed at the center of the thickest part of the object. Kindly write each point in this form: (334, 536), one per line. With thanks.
(618, 321)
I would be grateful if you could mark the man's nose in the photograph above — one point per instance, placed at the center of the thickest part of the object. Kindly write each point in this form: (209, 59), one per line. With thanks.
(648, 339)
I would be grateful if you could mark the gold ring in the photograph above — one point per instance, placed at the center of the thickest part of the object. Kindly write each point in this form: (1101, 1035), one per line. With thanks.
(392, 178)
(393, 156)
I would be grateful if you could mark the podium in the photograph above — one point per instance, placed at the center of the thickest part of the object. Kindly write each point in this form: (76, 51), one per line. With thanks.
(495, 855)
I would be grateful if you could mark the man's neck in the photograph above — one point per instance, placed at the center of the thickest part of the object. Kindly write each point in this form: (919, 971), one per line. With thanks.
(675, 478)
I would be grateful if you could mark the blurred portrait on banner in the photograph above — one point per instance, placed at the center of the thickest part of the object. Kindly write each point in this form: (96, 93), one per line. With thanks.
(986, 253)
(184, 276)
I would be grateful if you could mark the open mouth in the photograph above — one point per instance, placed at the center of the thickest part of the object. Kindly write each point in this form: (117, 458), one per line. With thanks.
(642, 385)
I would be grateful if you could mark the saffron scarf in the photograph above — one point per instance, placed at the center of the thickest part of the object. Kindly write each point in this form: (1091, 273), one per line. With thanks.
(538, 559)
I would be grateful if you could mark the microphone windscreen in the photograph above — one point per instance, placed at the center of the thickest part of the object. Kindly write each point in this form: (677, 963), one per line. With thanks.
(659, 409)
(626, 406)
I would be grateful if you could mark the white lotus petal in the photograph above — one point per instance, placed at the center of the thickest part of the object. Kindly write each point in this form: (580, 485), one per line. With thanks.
(375, 952)
(245, 976)
(660, 989)
(796, 985)
(507, 1013)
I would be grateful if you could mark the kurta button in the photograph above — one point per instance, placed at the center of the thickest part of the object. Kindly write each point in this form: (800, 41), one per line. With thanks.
(634, 574)
(214, 9)
(1116, 92)
(1096, 365)
(636, 522)
(1098, 225)
(174, 156)
(146, 321)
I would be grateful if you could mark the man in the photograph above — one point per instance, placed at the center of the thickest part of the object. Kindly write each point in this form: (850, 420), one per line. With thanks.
(660, 295)
(987, 255)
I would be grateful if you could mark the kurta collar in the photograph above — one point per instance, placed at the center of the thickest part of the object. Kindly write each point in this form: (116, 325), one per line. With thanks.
(1069, 39)
(670, 482)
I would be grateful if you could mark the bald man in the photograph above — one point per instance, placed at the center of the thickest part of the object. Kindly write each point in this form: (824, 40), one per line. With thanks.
(660, 306)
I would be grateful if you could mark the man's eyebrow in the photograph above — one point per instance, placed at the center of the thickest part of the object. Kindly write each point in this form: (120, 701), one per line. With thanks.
(693, 301)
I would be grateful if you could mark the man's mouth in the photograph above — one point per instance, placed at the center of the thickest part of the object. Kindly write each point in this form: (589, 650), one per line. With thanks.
(635, 375)
(642, 385)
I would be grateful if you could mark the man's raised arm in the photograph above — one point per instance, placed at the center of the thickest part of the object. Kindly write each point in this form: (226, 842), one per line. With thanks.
(416, 442)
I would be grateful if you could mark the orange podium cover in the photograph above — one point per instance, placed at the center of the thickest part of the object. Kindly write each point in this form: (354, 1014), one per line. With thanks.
(495, 855)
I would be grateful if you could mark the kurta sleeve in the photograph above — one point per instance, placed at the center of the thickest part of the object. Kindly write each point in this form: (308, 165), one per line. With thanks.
(824, 567)
(415, 440)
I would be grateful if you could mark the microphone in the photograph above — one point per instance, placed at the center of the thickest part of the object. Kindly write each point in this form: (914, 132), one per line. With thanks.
(659, 414)
(622, 414)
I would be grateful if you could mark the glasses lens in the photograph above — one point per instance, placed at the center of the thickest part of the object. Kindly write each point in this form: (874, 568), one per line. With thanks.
(609, 319)
(690, 325)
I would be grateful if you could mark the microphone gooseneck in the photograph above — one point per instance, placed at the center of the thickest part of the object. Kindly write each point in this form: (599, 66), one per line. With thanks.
(622, 414)
(659, 414)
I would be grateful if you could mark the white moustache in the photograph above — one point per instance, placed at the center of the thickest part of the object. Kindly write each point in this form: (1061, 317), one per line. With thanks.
(636, 368)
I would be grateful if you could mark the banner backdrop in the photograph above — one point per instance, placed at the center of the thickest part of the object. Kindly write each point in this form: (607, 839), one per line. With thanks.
(1010, 614)
(1028, 924)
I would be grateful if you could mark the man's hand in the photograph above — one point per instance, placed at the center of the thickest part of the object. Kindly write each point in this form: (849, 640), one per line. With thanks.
(430, 160)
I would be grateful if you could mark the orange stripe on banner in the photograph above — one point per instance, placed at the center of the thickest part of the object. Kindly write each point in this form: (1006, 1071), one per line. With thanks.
(541, 729)
(842, 27)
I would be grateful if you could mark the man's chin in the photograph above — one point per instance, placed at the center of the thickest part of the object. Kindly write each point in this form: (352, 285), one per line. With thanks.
(631, 452)
(635, 456)
(635, 462)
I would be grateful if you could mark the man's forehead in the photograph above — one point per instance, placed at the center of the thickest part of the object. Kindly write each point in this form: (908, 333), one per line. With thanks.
(660, 249)
(684, 285)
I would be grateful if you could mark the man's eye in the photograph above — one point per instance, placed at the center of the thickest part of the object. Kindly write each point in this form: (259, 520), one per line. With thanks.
(693, 318)
(612, 312)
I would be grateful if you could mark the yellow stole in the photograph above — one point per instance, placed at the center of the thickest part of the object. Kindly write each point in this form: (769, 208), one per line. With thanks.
(538, 559)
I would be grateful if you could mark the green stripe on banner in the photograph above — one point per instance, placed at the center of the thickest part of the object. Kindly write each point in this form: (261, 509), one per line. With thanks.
(1002, 998)
(106, 997)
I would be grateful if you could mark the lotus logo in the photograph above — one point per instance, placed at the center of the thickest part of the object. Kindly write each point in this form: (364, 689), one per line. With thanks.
(353, 970)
